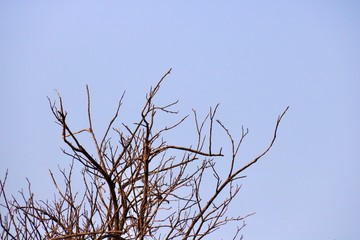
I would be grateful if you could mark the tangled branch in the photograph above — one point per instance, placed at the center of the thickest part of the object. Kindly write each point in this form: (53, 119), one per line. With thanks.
(138, 187)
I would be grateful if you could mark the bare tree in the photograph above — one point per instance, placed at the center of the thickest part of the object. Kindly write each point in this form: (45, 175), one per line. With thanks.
(137, 187)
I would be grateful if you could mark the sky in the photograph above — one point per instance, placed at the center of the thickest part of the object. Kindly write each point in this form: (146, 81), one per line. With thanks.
(255, 58)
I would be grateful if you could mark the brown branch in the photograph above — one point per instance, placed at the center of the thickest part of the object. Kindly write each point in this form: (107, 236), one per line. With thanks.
(133, 187)
(269, 146)
(230, 179)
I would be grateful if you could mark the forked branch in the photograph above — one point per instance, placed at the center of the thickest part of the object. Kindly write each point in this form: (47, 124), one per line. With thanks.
(136, 185)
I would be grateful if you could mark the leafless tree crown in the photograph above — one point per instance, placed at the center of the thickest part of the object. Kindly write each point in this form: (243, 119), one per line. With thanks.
(137, 186)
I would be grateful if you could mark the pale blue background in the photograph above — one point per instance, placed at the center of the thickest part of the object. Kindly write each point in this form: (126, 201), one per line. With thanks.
(254, 57)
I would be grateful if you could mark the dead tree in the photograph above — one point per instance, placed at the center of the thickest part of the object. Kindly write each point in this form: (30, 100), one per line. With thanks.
(138, 186)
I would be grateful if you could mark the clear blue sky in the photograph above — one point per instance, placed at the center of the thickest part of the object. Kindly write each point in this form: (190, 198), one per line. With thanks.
(254, 57)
